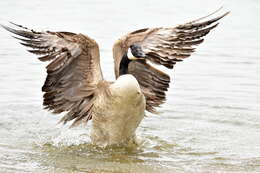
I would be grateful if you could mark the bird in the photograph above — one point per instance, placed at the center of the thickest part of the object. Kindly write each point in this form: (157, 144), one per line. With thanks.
(76, 86)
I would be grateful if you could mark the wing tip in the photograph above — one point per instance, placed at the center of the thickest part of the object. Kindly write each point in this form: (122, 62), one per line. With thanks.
(21, 31)
(211, 14)
(198, 22)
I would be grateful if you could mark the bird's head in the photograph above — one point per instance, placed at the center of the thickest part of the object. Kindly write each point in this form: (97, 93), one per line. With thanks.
(135, 52)
(124, 54)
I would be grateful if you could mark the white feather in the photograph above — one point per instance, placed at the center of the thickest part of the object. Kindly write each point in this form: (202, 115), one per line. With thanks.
(129, 53)
(159, 67)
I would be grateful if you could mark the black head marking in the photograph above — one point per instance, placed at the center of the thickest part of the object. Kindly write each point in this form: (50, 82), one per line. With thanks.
(137, 51)
(123, 67)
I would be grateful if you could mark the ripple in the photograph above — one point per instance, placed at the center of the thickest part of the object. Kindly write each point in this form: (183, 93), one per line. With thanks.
(229, 107)
(211, 120)
(236, 123)
(90, 157)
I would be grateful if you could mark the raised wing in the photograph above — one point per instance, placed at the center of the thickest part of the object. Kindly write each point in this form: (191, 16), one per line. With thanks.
(73, 72)
(164, 46)
(154, 83)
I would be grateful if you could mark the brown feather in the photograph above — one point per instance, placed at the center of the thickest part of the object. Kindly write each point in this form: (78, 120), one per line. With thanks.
(154, 83)
(73, 73)
(166, 47)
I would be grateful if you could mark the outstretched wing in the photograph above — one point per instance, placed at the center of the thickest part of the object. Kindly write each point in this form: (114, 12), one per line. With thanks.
(73, 72)
(164, 46)
(154, 83)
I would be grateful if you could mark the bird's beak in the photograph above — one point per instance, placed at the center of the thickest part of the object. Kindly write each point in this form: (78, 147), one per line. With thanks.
(134, 58)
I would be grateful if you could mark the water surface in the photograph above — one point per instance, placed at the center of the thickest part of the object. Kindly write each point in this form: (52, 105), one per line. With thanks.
(210, 122)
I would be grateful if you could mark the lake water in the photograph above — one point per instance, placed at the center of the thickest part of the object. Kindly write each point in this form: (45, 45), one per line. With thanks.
(210, 123)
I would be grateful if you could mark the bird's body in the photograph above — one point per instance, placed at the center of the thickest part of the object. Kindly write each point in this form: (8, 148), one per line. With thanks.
(75, 84)
(119, 110)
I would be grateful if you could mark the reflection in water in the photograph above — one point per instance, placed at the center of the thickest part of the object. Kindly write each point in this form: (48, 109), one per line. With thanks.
(210, 122)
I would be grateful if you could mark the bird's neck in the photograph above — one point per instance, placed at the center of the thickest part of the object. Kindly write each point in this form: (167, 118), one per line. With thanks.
(123, 68)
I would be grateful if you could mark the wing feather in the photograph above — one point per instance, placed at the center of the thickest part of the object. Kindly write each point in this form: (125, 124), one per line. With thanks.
(166, 47)
(154, 83)
(73, 72)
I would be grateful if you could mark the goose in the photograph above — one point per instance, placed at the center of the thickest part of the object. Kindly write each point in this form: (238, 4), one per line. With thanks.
(76, 87)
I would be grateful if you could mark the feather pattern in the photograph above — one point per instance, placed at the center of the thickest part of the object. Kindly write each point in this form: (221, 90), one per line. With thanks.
(166, 47)
(73, 72)
(154, 83)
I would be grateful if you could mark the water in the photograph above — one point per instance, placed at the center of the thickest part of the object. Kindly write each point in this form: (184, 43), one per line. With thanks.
(210, 122)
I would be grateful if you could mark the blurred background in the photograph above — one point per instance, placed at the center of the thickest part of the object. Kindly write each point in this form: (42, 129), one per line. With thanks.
(210, 122)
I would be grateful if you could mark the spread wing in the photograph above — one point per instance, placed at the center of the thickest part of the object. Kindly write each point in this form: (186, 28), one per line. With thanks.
(154, 83)
(164, 46)
(73, 72)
